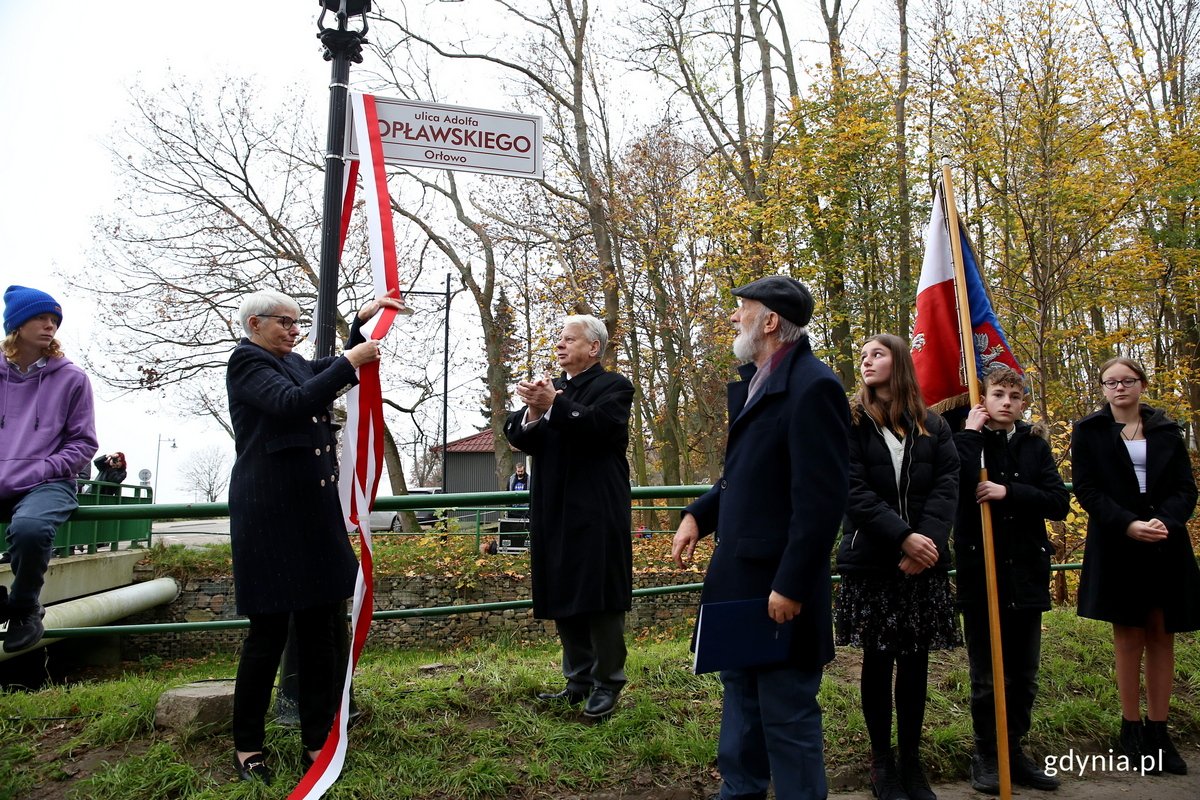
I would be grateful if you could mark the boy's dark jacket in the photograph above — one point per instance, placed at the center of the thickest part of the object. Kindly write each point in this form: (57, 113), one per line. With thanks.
(1036, 493)
(879, 516)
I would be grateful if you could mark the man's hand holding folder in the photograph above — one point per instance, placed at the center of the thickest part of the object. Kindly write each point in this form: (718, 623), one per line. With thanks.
(742, 633)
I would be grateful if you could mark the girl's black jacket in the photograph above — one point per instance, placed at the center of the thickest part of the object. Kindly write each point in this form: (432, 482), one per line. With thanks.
(880, 514)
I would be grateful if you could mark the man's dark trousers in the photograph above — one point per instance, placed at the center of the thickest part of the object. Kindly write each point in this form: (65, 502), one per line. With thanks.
(771, 726)
(1021, 644)
(593, 650)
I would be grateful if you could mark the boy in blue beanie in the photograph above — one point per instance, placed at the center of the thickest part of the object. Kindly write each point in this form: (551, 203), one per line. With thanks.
(47, 434)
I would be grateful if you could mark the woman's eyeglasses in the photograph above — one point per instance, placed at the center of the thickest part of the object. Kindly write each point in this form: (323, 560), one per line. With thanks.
(1113, 383)
(286, 322)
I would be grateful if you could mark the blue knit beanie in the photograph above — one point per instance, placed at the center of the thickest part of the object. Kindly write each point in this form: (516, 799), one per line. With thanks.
(22, 304)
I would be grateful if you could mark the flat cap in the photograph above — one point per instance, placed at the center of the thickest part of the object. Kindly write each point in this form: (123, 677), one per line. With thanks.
(787, 297)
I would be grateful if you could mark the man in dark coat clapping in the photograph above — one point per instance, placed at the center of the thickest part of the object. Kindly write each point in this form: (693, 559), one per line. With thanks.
(776, 510)
(577, 430)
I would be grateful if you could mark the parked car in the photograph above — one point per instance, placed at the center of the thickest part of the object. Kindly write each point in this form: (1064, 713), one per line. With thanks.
(390, 520)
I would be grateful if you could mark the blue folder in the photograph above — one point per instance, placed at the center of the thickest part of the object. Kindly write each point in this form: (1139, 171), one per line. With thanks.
(737, 634)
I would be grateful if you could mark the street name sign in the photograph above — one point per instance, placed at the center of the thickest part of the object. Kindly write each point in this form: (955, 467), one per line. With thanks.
(419, 134)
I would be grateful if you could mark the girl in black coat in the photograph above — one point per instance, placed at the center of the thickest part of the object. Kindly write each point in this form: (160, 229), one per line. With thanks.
(895, 599)
(1133, 477)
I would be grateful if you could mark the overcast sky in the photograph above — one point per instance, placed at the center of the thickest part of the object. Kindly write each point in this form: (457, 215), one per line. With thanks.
(66, 66)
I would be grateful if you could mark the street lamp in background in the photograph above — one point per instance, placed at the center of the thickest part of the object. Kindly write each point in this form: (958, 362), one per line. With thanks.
(157, 454)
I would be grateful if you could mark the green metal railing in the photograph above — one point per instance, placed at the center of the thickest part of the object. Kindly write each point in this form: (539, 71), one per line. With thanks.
(146, 512)
(83, 530)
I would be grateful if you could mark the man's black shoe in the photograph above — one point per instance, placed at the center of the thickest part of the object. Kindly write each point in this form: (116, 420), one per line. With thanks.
(25, 628)
(985, 773)
(570, 696)
(602, 703)
(1025, 772)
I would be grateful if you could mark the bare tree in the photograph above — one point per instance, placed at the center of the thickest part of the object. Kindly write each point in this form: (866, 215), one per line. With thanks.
(206, 472)
(219, 199)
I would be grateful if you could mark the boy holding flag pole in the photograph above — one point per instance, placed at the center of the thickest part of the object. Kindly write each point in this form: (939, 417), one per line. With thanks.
(954, 319)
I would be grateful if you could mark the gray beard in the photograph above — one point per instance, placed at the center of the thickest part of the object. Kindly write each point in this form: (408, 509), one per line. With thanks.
(746, 345)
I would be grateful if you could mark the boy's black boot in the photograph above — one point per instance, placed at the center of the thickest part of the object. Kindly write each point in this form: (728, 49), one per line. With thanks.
(985, 773)
(1025, 772)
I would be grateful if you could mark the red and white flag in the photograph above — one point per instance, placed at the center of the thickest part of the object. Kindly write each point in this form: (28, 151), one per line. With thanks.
(936, 344)
(362, 446)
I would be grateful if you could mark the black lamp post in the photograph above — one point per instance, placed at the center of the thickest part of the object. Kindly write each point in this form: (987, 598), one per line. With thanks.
(342, 45)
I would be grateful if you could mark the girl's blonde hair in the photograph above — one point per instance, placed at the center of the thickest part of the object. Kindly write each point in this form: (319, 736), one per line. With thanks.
(53, 350)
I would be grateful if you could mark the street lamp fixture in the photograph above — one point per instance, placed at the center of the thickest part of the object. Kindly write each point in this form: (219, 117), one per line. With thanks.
(157, 455)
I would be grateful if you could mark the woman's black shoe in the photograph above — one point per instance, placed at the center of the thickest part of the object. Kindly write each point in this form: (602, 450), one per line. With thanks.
(1157, 742)
(913, 780)
(885, 780)
(1131, 739)
(253, 768)
(306, 760)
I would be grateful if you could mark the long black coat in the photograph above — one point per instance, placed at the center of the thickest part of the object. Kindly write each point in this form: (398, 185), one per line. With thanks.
(581, 552)
(1117, 569)
(290, 547)
(1036, 493)
(778, 503)
(880, 515)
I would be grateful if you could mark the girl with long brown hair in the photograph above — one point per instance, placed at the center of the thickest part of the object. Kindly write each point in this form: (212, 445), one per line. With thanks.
(895, 600)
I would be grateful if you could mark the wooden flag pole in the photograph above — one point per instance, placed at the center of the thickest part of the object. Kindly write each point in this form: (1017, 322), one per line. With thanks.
(985, 508)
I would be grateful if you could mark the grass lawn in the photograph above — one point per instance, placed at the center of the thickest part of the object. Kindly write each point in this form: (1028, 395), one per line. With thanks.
(464, 724)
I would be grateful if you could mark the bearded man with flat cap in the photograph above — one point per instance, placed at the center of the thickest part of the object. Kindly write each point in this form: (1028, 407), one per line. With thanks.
(776, 511)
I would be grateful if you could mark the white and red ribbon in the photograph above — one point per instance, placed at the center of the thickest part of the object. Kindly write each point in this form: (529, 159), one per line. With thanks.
(362, 447)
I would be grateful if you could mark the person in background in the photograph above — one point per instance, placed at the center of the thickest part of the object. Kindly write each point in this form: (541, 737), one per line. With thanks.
(291, 554)
(110, 468)
(776, 510)
(47, 435)
(1134, 479)
(519, 482)
(1024, 490)
(581, 552)
(895, 600)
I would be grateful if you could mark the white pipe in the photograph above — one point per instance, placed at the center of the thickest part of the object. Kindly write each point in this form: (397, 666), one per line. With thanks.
(105, 607)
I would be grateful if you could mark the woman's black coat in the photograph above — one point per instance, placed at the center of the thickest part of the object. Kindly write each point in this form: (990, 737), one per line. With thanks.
(108, 474)
(1025, 466)
(1114, 566)
(880, 515)
(290, 546)
(581, 553)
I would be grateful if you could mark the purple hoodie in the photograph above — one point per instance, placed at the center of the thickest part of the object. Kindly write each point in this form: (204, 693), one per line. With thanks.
(47, 425)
